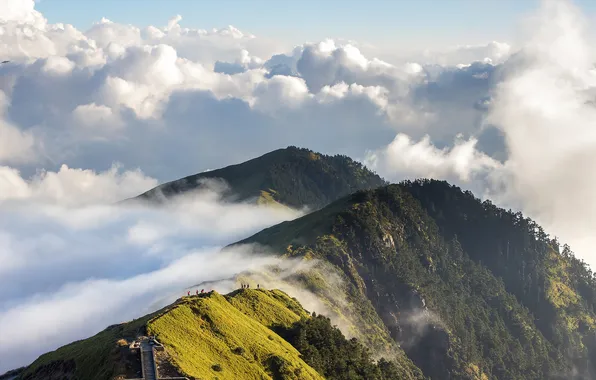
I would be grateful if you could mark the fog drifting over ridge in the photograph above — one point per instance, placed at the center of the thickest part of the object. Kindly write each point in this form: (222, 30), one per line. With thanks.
(88, 118)
(70, 271)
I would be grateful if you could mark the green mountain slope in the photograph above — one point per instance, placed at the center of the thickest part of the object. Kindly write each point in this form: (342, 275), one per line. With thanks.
(247, 334)
(555, 286)
(294, 177)
(203, 334)
(432, 261)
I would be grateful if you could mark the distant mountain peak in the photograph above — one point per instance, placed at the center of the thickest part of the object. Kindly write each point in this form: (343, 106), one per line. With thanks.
(293, 176)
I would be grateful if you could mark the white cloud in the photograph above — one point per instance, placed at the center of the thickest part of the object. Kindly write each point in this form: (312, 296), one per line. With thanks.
(85, 267)
(16, 146)
(494, 52)
(73, 186)
(57, 66)
(134, 95)
(404, 158)
(96, 116)
(80, 309)
(16, 10)
(544, 108)
(280, 92)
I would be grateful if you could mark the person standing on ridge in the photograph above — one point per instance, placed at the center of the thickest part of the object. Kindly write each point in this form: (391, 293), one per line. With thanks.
(257, 286)
(188, 293)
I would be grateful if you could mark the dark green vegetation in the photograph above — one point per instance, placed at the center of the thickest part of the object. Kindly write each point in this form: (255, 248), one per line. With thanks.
(325, 348)
(11, 374)
(470, 291)
(247, 334)
(293, 176)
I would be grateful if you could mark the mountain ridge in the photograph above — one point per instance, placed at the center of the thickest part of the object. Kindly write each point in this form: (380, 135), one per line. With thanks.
(404, 258)
(460, 288)
(248, 334)
(295, 177)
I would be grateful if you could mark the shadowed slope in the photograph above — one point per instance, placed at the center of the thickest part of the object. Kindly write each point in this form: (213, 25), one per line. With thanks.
(449, 297)
(292, 176)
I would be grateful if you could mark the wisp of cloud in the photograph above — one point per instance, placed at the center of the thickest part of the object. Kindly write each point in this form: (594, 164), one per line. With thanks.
(70, 271)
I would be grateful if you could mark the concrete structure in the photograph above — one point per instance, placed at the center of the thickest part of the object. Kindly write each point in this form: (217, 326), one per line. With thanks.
(147, 347)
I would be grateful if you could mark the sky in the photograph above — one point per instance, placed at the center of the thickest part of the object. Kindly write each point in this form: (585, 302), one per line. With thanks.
(425, 23)
(104, 100)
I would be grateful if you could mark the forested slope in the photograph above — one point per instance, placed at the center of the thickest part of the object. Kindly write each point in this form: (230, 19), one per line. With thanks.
(468, 290)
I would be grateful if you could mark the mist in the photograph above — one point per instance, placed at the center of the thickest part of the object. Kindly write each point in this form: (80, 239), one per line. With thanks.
(544, 106)
(70, 271)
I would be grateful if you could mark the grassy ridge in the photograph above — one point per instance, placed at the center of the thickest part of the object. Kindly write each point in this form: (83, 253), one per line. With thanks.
(269, 307)
(236, 336)
(209, 337)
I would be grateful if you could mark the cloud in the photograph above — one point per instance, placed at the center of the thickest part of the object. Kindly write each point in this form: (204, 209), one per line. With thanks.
(404, 158)
(16, 146)
(16, 10)
(544, 109)
(241, 64)
(73, 187)
(77, 310)
(133, 95)
(87, 266)
(494, 52)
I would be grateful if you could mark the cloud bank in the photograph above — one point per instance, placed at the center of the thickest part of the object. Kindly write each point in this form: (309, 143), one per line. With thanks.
(545, 108)
(72, 265)
(119, 93)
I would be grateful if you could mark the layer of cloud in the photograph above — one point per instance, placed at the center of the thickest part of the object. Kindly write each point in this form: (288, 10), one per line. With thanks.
(545, 109)
(134, 95)
(85, 265)
(73, 187)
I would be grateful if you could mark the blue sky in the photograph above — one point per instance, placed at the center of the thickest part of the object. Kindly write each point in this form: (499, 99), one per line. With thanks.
(385, 22)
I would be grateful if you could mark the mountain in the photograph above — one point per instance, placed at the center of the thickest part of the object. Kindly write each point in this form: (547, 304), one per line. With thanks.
(247, 334)
(468, 290)
(441, 284)
(292, 176)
